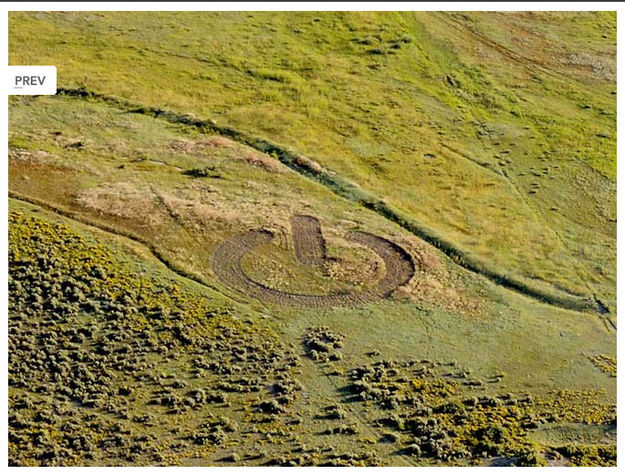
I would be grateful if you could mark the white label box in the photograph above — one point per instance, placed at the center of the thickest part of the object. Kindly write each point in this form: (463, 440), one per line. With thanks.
(32, 80)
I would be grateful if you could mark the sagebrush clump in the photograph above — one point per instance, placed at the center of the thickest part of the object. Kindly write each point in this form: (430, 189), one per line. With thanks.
(105, 364)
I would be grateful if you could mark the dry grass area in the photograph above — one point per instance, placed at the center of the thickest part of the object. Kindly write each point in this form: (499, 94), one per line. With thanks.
(205, 145)
(121, 200)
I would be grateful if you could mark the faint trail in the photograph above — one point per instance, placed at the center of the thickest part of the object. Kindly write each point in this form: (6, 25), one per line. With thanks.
(310, 247)
(488, 166)
(450, 19)
(111, 230)
(367, 428)
(171, 212)
(602, 311)
(503, 50)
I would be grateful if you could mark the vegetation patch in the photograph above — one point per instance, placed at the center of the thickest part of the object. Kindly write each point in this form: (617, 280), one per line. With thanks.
(206, 172)
(605, 363)
(590, 455)
(106, 365)
(438, 412)
(322, 344)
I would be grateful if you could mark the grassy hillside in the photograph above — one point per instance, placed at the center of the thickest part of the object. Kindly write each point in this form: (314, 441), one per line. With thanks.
(488, 126)
(489, 135)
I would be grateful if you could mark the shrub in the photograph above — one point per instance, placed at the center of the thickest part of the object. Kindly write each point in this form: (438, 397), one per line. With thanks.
(206, 172)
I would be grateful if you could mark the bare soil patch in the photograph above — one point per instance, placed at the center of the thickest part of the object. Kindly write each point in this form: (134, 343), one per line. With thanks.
(310, 246)
(227, 266)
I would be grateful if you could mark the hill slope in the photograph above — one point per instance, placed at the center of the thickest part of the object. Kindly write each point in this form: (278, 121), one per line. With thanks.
(321, 156)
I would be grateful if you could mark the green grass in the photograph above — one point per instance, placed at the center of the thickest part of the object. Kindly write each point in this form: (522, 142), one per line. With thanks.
(309, 80)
